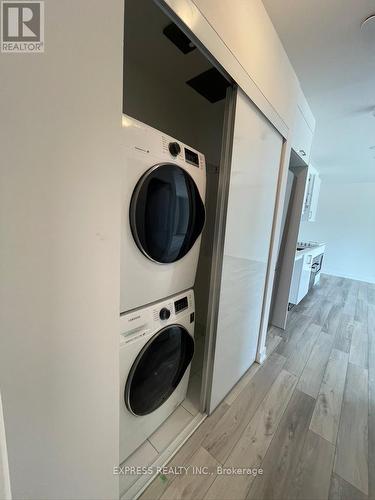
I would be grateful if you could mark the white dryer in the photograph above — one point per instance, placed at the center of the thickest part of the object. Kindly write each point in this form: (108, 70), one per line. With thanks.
(163, 214)
(156, 349)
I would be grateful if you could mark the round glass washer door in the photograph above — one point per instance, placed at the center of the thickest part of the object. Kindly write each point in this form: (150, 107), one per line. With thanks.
(166, 213)
(158, 369)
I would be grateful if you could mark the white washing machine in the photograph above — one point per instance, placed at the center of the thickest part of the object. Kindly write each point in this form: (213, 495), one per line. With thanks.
(163, 214)
(156, 349)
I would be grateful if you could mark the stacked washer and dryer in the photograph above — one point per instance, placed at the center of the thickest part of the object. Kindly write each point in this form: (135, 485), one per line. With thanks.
(163, 214)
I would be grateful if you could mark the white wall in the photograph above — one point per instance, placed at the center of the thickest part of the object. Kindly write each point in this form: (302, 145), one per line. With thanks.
(59, 267)
(346, 222)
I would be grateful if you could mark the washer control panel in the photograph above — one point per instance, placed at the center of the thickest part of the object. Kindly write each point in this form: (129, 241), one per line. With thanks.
(140, 322)
(170, 309)
(163, 312)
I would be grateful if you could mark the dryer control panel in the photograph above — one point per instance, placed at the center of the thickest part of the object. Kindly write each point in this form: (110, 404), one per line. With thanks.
(178, 151)
(147, 140)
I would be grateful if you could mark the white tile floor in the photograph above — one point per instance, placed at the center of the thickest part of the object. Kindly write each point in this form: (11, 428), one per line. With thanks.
(170, 428)
(144, 456)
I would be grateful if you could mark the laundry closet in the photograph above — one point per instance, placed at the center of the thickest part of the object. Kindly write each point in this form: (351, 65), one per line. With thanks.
(174, 109)
(200, 181)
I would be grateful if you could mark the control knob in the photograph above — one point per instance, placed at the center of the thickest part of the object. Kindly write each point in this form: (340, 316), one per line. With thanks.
(174, 148)
(164, 313)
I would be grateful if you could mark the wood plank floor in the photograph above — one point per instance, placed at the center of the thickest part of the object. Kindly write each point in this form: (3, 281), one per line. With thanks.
(303, 423)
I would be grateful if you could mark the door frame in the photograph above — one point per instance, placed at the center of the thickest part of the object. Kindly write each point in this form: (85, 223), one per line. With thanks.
(218, 246)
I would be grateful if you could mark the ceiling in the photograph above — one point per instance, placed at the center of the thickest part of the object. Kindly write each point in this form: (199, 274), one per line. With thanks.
(335, 63)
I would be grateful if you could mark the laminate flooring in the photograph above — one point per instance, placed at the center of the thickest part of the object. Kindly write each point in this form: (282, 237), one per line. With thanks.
(302, 425)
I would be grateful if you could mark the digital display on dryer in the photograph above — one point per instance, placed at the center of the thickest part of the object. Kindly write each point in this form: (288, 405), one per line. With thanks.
(191, 157)
(180, 305)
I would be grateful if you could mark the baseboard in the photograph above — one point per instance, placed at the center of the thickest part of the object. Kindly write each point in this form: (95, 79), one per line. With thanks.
(261, 355)
(365, 279)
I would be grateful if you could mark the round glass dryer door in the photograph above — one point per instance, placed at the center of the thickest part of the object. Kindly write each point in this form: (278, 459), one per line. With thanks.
(166, 213)
(158, 369)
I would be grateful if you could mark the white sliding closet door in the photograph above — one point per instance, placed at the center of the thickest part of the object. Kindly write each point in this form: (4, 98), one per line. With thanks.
(254, 173)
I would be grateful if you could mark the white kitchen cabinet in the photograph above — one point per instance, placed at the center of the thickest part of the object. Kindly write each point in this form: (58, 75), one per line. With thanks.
(314, 198)
(300, 279)
(312, 192)
(303, 266)
(302, 137)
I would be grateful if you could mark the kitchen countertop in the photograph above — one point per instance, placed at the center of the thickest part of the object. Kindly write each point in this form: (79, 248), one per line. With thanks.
(315, 250)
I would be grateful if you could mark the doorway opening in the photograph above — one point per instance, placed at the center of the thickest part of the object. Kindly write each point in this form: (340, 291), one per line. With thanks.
(292, 210)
